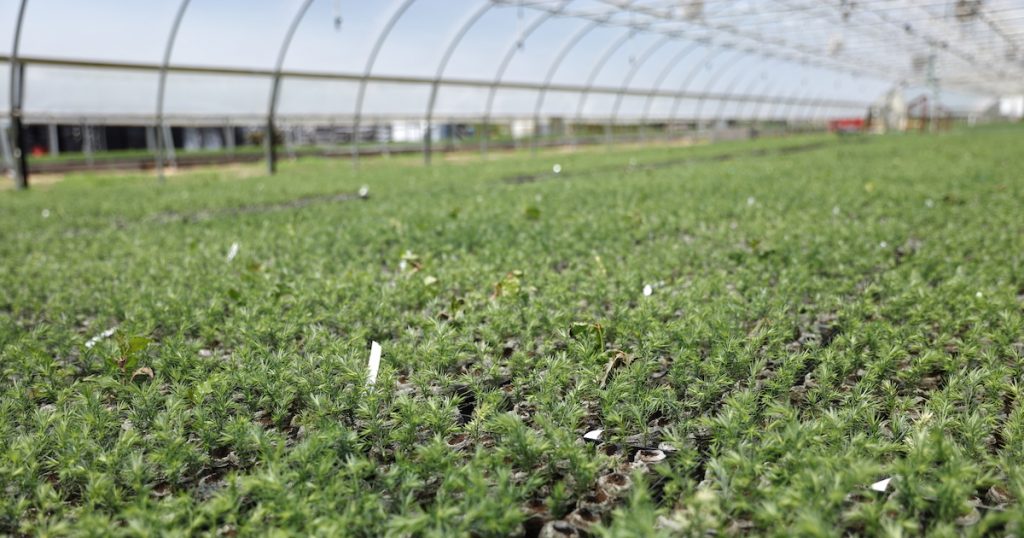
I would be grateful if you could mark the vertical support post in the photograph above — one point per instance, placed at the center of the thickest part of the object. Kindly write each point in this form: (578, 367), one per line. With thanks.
(656, 87)
(5, 149)
(162, 131)
(517, 43)
(370, 60)
(385, 140)
(646, 55)
(87, 144)
(166, 137)
(275, 87)
(53, 139)
(17, 90)
(229, 139)
(569, 45)
(933, 83)
(705, 61)
(150, 139)
(711, 82)
(269, 146)
(596, 70)
(449, 50)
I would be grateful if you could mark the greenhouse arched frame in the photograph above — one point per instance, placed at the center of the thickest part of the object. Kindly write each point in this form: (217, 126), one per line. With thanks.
(638, 64)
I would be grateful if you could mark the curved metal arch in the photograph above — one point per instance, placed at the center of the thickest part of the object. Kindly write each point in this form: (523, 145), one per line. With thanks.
(803, 105)
(449, 50)
(713, 79)
(810, 101)
(781, 100)
(503, 66)
(370, 61)
(798, 97)
(660, 79)
(596, 70)
(820, 112)
(566, 48)
(16, 96)
(806, 97)
(689, 79)
(743, 104)
(770, 113)
(275, 87)
(813, 107)
(718, 117)
(161, 88)
(774, 104)
(628, 79)
(755, 115)
(821, 108)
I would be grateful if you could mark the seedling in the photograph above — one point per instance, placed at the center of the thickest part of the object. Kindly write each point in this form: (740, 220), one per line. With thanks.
(781, 363)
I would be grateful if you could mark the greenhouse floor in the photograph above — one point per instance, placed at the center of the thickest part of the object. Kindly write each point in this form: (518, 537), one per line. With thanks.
(796, 336)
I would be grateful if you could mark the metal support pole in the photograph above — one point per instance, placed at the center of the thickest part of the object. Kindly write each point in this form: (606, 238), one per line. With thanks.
(270, 147)
(87, 147)
(370, 60)
(797, 97)
(449, 50)
(53, 139)
(559, 57)
(161, 128)
(711, 82)
(656, 87)
(166, 137)
(229, 139)
(383, 140)
(5, 149)
(596, 70)
(17, 91)
(755, 115)
(719, 114)
(706, 61)
(509, 54)
(646, 55)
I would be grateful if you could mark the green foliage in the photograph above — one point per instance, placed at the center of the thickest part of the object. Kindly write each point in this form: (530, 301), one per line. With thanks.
(789, 320)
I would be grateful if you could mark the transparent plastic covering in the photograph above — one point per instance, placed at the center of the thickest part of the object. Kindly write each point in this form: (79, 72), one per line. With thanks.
(637, 61)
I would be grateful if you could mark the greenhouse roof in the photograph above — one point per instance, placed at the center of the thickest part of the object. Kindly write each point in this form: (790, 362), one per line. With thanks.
(614, 60)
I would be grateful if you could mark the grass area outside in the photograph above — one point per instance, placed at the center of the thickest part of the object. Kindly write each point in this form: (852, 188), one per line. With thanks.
(760, 330)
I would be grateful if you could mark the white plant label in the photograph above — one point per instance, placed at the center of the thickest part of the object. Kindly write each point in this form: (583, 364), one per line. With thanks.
(374, 365)
(881, 485)
(233, 251)
(593, 435)
(102, 336)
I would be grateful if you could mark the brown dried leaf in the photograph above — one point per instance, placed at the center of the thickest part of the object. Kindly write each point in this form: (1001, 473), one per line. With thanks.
(145, 371)
(620, 358)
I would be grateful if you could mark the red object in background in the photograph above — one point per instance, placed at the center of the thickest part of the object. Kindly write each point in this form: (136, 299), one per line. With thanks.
(846, 125)
(38, 151)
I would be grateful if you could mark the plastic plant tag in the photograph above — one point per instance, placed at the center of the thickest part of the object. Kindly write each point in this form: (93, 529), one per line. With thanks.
(103, 335)
(593, 435)
(881, 485)
(374, 364)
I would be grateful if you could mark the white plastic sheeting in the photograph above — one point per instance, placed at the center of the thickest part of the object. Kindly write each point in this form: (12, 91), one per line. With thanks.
(592, 60)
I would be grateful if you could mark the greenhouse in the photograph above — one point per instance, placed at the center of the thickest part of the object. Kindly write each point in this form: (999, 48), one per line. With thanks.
(422, 71)
(512, 267)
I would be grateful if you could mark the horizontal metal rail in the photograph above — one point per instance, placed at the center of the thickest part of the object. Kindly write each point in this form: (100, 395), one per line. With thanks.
(486, 84)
